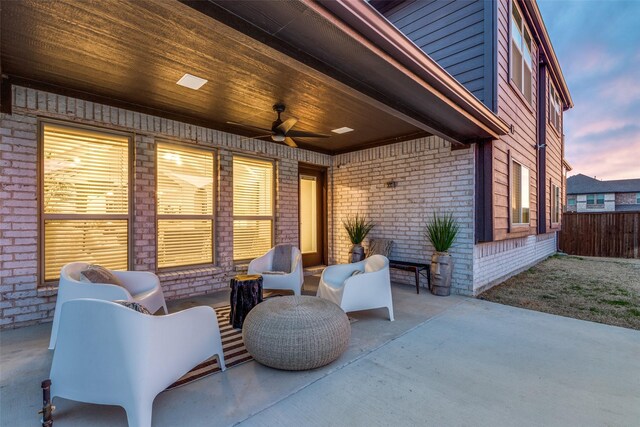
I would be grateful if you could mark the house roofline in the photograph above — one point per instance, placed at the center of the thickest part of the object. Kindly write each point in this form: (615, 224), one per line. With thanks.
(368, 22)
(567, 165)
(533, 11)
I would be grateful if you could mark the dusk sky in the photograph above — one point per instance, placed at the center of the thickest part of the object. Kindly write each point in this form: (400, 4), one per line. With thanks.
(598, 46)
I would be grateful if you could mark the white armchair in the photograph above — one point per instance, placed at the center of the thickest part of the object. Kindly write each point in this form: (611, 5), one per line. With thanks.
(291, 281)
(110, 354)
(368, 290)
(139, 286)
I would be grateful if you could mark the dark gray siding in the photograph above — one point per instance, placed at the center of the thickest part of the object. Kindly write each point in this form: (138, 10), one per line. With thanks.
(453, 34)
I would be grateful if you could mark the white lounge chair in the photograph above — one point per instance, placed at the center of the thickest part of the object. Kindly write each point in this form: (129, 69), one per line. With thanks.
(369, 289)
(139, 286)
(291, 280)
(110, 354)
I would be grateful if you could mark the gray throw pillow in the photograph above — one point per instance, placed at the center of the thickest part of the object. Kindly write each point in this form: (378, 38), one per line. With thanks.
(135, 306)
(99, 274)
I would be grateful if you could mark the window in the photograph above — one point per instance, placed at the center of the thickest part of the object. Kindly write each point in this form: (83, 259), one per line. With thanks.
(252, 207)
(555, 203)
(85, 198)
(555, 109)
(595, 199)
(638, 198)
(571, 201)
(185, 206)
(521, 57)
(519, 194)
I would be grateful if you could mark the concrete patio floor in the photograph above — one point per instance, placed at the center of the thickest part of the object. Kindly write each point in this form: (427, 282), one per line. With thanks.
(443, 361)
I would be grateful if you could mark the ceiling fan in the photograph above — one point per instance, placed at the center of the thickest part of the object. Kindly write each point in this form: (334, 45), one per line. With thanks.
(281, 131)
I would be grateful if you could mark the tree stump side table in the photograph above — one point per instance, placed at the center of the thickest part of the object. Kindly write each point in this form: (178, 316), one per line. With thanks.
(246, 293)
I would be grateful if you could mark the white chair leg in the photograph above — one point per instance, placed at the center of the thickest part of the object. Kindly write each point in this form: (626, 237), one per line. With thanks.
(220, 357)
(390, 309)
(139, 414)
(164, 305)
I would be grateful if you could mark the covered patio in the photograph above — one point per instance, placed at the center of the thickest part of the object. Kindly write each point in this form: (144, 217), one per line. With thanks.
(443, 361)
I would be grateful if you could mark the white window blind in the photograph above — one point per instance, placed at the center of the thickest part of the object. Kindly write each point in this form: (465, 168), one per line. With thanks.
(521, 56)
(555, 209)
(555, 110)
(185, 191)
(519, 194)
(85, 201)
(253, 197)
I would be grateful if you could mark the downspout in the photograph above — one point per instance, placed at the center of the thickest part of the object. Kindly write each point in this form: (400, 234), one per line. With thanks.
(541, 153)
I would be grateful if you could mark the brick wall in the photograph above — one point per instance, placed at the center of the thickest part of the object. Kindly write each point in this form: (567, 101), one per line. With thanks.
(495, 262)
(22, 302)
(626, 198)
(430, 178)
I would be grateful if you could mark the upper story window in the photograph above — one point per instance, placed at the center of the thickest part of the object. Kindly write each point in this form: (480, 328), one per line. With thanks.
(519, 194)
(253, 197)
(185, 189)
(555, 107)
(555, 203)
(571, 201)
(521, 56)
(595, 199)
(638, 198)
(84, 198)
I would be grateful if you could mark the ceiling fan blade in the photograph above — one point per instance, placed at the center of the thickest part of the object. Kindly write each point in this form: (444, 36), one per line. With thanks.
(290, 142)
(287, 125)
(303, 134)
(252, 128)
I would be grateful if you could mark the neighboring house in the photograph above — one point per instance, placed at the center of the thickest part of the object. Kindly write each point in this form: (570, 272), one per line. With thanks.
(431, 107)
(586, 194)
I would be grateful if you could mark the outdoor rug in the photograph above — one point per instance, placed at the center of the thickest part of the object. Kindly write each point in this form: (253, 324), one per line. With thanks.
(232, 346)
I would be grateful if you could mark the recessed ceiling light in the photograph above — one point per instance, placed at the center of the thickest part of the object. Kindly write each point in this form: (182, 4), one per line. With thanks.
(192, 82)
(343, 129)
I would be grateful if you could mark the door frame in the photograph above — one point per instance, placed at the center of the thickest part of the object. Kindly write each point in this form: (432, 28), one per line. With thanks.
(323, 238)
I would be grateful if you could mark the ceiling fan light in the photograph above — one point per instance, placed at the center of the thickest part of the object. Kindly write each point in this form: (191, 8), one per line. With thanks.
(278, 138)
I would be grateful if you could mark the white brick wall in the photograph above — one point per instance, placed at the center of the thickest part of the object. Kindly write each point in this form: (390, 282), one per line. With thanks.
(430, 178)
(495, 262)
(22, 302)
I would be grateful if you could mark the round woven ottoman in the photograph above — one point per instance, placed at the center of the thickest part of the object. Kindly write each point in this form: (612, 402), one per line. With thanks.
(296, 332)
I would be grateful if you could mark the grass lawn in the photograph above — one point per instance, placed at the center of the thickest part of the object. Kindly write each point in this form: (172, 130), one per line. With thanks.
(604, 290)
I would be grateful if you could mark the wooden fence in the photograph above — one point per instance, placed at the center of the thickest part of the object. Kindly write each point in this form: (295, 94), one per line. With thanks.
(607, 234)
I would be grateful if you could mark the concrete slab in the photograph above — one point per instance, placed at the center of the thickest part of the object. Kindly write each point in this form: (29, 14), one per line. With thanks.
(444, 361)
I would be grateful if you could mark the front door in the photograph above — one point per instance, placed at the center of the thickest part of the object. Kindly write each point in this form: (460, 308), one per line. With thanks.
(312, 216)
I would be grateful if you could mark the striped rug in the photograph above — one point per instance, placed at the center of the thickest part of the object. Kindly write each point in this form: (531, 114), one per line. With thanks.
(234, 351)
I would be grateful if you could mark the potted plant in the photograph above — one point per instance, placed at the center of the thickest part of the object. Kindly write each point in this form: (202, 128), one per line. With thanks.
(357, 228)
(442, 232)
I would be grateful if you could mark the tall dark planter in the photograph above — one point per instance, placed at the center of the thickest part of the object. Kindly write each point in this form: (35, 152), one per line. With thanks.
(356, 254)
(441, 271)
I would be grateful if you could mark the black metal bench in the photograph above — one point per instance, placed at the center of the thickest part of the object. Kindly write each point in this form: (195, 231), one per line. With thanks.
(416, 267)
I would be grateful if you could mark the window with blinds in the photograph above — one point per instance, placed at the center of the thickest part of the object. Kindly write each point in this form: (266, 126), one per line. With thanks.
(519, 194)
(185, 192)
(85, 198)
(521, 57)
(253, 197)
(555, 208)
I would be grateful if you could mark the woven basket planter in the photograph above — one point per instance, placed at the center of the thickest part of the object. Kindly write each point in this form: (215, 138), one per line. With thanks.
(296, 332)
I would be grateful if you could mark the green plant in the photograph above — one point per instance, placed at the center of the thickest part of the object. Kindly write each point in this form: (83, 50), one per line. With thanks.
(442, 231)
(357, 228)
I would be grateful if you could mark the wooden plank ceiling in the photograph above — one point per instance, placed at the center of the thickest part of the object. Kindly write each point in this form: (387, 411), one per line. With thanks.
(134, 52)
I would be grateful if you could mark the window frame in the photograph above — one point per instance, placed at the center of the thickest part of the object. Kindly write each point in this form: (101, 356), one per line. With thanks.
(556, 203)
(42, 217)
(595, 204)
(555, 108)
(158, 216)
(274, 196)
(524, 29)
(511, 188)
